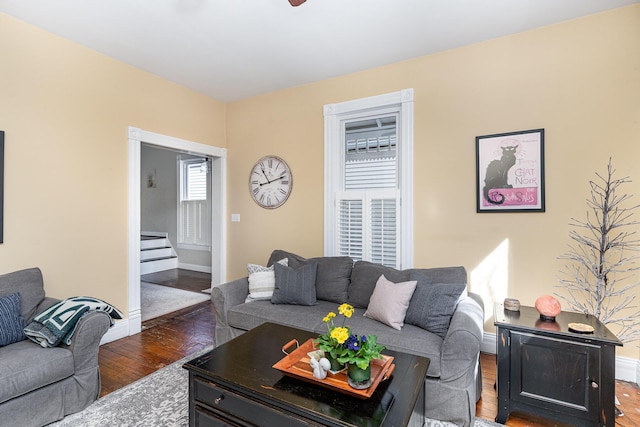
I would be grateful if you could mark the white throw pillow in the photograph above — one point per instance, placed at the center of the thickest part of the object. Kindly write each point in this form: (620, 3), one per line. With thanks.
(262, 281)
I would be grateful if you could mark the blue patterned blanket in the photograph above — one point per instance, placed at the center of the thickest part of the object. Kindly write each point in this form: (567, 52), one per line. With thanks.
(58, 323)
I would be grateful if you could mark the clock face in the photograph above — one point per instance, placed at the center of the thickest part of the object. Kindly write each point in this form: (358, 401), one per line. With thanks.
(270, 182)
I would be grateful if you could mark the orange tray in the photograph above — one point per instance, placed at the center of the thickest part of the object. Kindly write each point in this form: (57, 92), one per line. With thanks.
(297, 364)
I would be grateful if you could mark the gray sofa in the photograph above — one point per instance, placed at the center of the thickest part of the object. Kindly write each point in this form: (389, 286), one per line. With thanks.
(453, 382)
(41, 385)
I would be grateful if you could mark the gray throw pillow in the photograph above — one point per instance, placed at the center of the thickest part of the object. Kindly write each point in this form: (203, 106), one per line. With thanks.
(432, 306)
(332, 277)
(11, 322)
(295, 286)
(364, 277)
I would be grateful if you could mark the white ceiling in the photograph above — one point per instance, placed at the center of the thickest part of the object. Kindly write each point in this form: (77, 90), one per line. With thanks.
(235, 49)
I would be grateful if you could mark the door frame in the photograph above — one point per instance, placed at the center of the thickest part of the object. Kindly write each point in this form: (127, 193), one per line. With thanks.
(218, 192)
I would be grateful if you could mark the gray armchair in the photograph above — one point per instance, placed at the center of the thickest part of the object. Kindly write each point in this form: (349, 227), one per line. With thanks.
(41, 385)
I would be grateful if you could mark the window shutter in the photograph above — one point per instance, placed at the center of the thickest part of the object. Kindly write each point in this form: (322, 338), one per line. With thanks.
(195, 228)
(350, 228)
(368, 226)
(384, 231)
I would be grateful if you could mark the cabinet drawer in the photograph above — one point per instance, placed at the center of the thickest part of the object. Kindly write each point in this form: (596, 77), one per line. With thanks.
(237, 407)
(204, 418)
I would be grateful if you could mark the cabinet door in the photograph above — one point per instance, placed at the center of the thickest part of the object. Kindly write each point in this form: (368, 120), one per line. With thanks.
(556, 374)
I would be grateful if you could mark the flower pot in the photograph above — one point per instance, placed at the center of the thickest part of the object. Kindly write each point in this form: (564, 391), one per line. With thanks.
(357, 378)
(336, 366)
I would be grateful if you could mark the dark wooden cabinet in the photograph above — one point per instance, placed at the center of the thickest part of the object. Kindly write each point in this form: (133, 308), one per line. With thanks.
(549, 371)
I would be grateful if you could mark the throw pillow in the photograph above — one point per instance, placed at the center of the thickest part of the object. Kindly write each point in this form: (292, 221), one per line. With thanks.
(11, 322)
(364, 278)
(332, 277)
(389, 302)
(262, 281)
(432, 306)
(295, 286)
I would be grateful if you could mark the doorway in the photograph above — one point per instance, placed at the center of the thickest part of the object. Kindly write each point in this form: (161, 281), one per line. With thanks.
(218, 196)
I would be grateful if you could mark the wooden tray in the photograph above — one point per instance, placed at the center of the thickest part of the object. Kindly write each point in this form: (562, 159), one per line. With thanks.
(297, 364)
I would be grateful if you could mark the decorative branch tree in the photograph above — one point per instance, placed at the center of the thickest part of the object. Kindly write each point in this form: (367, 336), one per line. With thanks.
(599, 274)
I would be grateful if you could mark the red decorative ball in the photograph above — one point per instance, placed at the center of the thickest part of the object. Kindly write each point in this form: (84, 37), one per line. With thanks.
(548, 307)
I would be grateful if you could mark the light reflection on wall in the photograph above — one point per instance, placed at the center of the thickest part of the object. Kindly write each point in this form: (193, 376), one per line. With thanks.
(490, 278)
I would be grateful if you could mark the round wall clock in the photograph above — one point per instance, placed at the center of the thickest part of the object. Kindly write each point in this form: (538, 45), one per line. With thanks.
(270, 182)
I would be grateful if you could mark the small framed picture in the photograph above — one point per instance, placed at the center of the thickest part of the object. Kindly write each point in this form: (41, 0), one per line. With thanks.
(510, 172)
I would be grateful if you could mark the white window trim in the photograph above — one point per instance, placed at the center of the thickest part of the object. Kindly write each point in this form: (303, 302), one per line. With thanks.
(333, 115)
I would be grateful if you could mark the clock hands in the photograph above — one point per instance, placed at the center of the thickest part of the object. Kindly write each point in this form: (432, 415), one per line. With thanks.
(269, 182)
(265, 175)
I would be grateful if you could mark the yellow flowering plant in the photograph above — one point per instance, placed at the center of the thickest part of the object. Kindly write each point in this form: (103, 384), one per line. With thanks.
(344, 346)
(332, 341)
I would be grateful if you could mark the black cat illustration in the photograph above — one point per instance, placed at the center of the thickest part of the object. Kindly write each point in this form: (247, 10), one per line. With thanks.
(498, 175)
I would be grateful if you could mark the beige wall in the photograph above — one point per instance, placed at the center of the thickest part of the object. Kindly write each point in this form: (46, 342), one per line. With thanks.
(578, 80)
(65, 111)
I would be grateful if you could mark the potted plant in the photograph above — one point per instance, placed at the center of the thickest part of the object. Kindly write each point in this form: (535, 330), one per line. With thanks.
(343, 347)
(331, 343)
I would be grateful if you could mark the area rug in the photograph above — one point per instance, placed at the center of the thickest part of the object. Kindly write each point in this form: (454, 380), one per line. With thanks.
(159, 400)
(156, 300)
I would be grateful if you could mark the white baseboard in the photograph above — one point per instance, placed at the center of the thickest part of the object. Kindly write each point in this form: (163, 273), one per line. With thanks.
(119, 330)
(627, 369)
(194, 267)
(488, 343)
(124, 328)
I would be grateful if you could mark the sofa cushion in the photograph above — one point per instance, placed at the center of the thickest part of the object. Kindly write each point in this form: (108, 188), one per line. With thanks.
(433, 304)
(411, 339)
(389, 302)
(262, 281)
(364, 278)
(295, 285)
(30, 286)
(11, 322)
(332, 277)
(25, 366)
(309, 318)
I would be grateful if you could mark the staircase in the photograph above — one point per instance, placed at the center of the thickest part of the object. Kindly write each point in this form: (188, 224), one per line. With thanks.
(156, 253)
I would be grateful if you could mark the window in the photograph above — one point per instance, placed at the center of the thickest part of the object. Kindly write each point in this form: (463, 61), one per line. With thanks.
(194, 231)
(368, 179)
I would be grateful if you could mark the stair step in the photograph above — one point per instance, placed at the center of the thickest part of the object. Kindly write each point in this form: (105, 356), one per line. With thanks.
(154, 243)
(158, 258)
(156, 253)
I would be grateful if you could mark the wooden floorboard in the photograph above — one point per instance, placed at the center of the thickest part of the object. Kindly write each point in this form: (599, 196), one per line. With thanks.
(171, 337)
(163, 340)
(180, 278)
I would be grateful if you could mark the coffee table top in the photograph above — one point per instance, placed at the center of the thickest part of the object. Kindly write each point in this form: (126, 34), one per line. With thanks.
(244, 365)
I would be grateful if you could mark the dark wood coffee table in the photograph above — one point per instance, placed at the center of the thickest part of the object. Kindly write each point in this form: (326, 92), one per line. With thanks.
(235, 385)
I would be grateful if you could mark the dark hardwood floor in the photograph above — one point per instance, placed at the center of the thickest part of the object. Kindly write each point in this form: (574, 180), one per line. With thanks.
(171, 337)
(187, 280)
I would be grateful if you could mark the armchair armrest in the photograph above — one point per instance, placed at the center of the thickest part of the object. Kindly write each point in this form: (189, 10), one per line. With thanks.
(461, 347)
(86, 340)
(228, 295)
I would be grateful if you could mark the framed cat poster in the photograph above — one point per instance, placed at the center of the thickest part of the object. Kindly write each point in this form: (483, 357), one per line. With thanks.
(510, 172)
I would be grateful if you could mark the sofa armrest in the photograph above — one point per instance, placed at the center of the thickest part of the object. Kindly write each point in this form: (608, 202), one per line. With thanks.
(228, 295)
(461, 347)
(86, 340)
